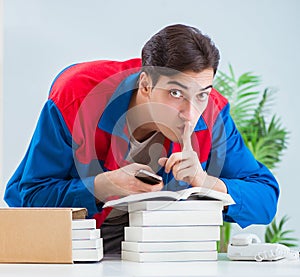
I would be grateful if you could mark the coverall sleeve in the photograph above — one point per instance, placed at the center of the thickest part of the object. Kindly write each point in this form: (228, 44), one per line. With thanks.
(47, 176)
(251, 185)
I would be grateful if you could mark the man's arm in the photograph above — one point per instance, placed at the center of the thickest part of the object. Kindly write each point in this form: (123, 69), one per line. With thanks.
(250, 183)
(47, 176)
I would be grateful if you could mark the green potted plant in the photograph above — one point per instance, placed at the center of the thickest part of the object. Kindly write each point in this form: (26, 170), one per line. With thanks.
(263, 134)
(276, 233)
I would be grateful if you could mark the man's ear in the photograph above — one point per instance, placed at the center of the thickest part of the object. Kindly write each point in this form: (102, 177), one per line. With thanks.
(145, 84)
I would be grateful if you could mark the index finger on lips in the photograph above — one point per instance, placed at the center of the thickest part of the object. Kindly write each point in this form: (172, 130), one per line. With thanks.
(186, 137)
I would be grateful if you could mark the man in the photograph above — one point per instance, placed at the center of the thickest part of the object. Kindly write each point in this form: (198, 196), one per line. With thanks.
(104, 120)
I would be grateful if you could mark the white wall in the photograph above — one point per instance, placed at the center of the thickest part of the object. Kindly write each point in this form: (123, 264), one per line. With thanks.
(42, 37)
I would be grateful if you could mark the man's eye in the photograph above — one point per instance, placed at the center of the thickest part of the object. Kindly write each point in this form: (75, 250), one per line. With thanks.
(203, 96)
(175, 93)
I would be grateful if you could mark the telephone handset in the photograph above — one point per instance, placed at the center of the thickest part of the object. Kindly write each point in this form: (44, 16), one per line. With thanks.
(249, 247)
(245, 239)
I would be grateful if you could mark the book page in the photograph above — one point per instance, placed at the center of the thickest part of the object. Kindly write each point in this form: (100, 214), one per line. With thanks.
(157, 195)
(201, 192)
(172, 196)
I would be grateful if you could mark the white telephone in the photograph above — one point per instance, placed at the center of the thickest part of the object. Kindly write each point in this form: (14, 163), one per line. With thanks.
(249, 247)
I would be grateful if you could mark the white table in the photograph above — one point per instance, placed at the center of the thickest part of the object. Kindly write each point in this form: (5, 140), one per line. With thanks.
(113, 266)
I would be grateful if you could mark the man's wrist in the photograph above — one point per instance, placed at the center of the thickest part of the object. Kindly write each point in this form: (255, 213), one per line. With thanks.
(100, 187)
(215, 184)
(204, 180)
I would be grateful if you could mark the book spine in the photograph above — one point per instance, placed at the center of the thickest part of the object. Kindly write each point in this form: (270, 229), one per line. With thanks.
(175, 218)
(169, 246)
(83, 224)
(86, 234)
(87, 255)
(87, 243)
(178, 233)
(191, 205)
(170, 256)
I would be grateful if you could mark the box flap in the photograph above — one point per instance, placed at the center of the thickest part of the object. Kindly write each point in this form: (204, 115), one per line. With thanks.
(79, 213)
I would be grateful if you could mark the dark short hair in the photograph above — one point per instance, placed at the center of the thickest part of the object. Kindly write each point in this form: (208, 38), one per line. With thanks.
(178, 48)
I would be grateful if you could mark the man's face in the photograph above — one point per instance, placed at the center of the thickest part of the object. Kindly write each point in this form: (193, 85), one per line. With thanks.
(179, 98)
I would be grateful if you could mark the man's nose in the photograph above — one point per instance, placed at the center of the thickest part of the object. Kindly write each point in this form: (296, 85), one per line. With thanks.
(187, 111)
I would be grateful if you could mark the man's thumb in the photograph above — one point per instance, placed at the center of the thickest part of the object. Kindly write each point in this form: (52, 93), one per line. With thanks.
(162, 161)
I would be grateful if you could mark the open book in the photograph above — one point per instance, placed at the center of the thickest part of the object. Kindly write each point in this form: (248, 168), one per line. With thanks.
(185, 194)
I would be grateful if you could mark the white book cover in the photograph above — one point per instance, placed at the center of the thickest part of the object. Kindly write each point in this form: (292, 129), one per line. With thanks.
(191, 205)
(87, 243)
(169, 246)
(184, 194)
(83, 224)
(86, 234)
(175, 218)
(170, 256)
(87, 255)
(178, 233)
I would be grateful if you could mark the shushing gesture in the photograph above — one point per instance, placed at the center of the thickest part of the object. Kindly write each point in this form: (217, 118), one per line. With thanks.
(185, 165)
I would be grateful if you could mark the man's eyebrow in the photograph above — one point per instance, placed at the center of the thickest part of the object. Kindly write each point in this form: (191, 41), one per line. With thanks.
(178, 84)
(185, 87)
(210, 86)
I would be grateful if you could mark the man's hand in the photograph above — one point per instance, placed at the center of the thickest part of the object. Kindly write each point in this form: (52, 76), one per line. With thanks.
(121, 182)
(185, 165)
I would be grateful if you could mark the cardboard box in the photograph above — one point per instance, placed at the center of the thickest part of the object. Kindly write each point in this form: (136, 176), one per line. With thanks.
(37, 235)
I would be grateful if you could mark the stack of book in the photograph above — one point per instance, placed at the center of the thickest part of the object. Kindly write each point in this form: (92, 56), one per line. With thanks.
(87, 244)
(172, 231)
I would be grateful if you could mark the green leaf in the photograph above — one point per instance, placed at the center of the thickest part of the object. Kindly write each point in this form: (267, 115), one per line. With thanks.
(291, 244)
(249, 106)
(288, 239)
(274, 226)
(286, 232)
(268, 235)
(283, 221)
(275, 233)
